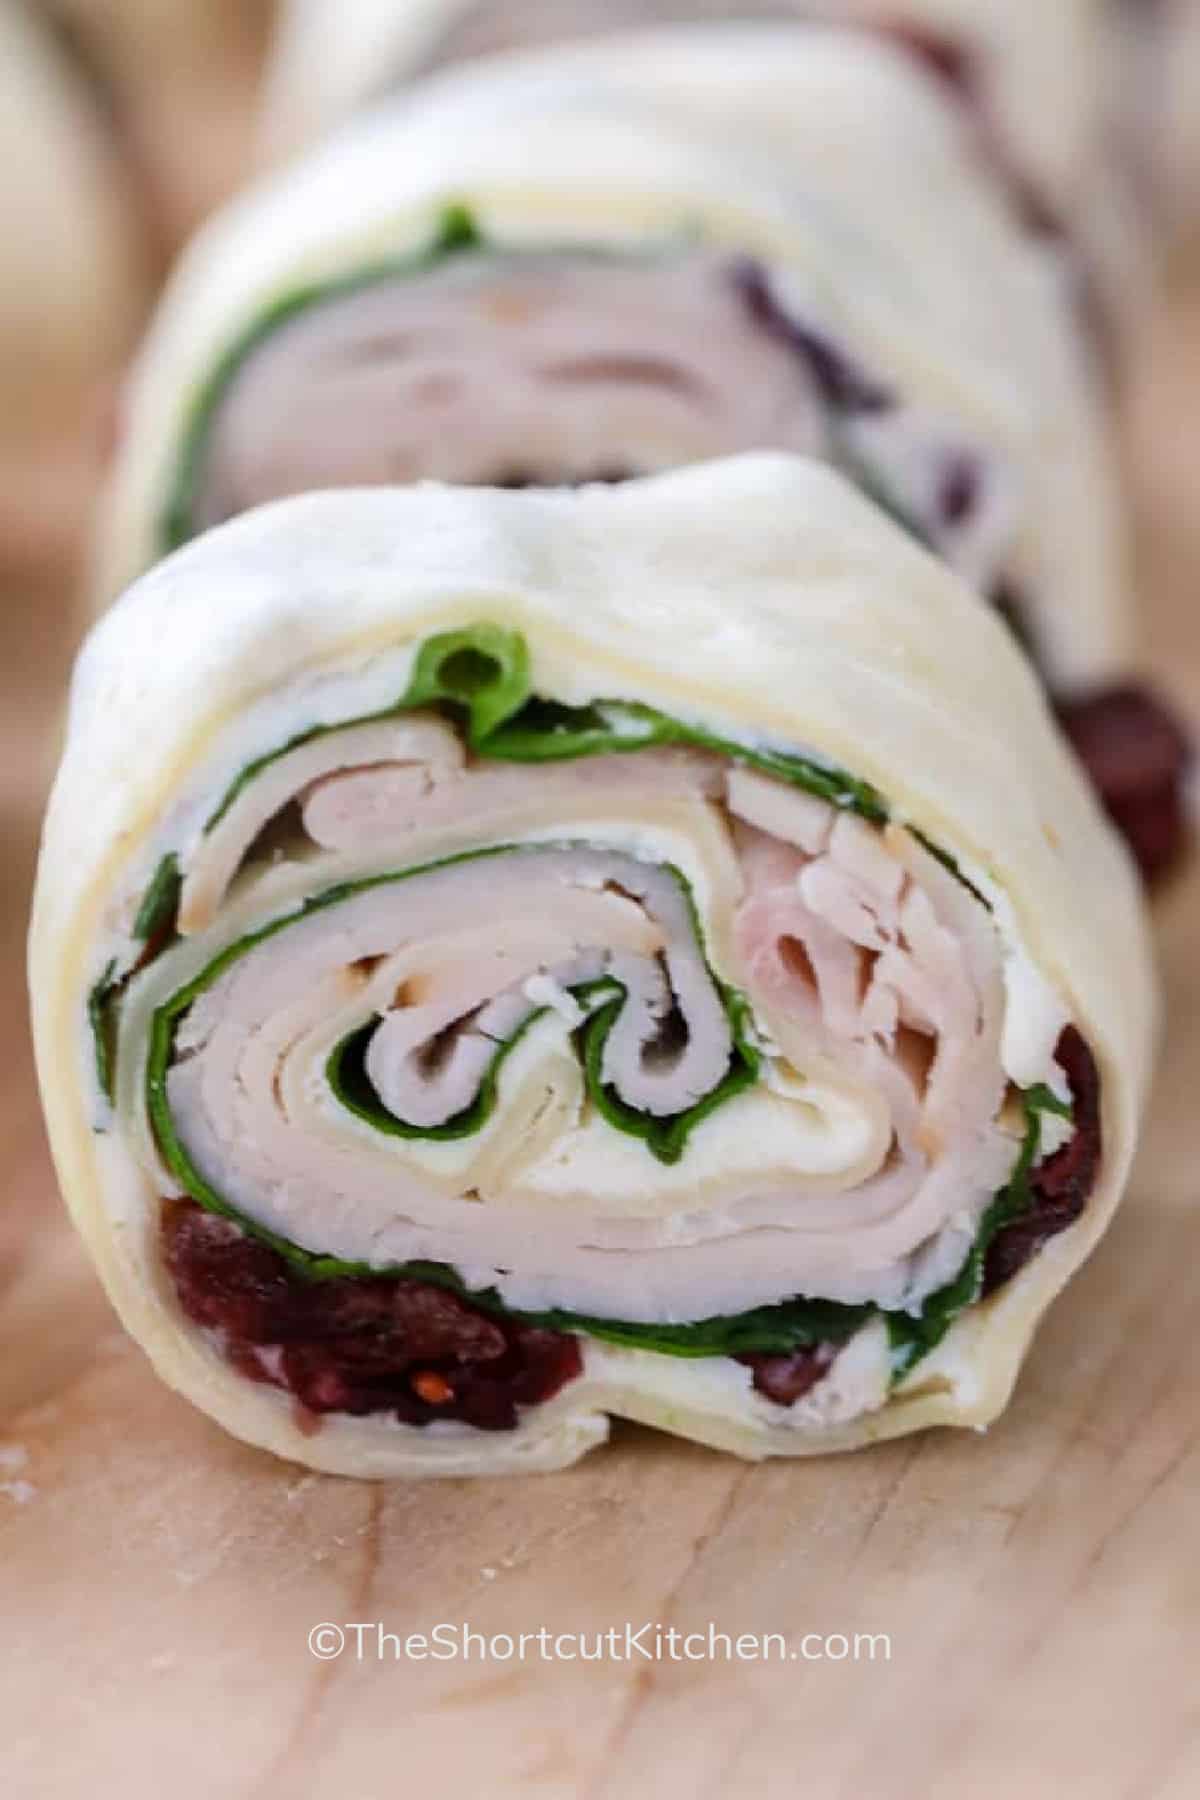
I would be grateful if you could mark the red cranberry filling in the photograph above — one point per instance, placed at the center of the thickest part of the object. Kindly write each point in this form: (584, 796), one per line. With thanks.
(786, 1379)
(843, 385)
(1062, 1183)
(1138, 756)
(359, 1344)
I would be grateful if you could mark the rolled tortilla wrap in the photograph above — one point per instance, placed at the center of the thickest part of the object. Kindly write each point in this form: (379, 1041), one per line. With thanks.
(555, 274)
(528, 957)
(1039, 87)
(71, 298)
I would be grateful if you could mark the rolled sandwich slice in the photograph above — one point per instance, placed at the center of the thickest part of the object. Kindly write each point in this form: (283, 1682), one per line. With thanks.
(526, 957)
(558, 273)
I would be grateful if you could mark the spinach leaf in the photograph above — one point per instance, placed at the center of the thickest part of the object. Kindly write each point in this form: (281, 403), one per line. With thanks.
(764, 1330)
(347, 1076)
(914, 1336)
(160, 902)
(101, 1019)
(482, 671)
(480, 674)
(153, 927)
(950, 864)
(665, 1138)
(458, 229)
(544, 731)
(778, 1330)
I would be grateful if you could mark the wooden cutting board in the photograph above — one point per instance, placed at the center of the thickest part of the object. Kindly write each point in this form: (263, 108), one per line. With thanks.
(1038, 1586)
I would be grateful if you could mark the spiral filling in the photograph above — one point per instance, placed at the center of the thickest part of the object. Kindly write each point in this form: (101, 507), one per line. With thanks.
(503, 368)
(457, 1068)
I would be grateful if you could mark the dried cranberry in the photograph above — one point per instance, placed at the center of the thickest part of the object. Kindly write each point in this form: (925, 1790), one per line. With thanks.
(942, 56)
(1061, 1185)
(224, 1278)
(359, 1344)
(373, 1320)
(549, 1359)
(843, 385)
(786, 1379)
(1137, 755)
(958, 492)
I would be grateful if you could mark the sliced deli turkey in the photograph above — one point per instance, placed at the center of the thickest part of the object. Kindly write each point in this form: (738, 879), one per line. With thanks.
(529, 957)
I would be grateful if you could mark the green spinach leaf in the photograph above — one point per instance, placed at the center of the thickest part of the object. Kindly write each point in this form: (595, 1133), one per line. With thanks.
(914, 1336)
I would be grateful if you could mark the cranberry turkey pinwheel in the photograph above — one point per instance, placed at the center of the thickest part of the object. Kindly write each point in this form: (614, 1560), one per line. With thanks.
(554, 275)
(527, 957)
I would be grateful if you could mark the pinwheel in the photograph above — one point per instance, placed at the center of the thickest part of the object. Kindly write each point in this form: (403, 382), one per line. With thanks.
(559, 272)
(502, 960)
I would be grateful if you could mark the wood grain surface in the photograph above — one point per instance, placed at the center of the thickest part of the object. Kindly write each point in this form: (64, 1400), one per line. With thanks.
(1039, 1585)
